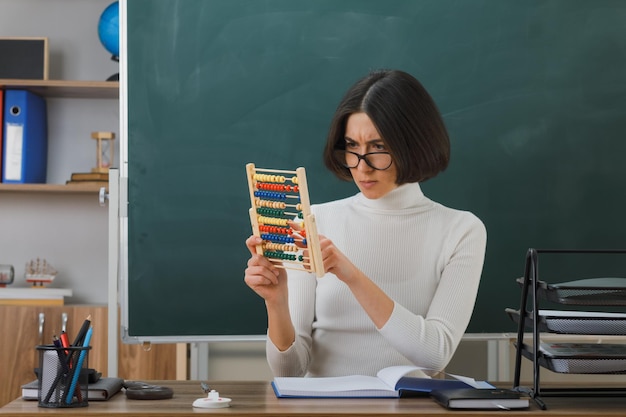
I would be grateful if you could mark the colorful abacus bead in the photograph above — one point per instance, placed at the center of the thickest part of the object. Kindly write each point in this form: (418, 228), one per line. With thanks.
(277, 238)
(280, 247)
(275, 229)
(280, 255)
(264, 211)
(272, 221)
(269, 178)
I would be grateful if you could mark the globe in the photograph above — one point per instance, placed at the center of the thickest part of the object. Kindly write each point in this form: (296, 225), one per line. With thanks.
(109, 29)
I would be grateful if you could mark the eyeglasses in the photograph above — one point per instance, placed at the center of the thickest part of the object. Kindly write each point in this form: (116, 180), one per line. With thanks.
(377, 160)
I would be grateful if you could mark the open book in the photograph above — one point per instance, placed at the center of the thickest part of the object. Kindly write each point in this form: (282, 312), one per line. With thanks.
(389, 382)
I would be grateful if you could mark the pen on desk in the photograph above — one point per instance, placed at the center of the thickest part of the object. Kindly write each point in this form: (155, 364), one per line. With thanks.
(62, 372)
(60, 352)
(65, 341)
(79, 365)
(78, 341)
(63, 358)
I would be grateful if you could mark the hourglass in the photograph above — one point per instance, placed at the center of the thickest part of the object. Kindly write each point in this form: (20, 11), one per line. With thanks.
(104, 151)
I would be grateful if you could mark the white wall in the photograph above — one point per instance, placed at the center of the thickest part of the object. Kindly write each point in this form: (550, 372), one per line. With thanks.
(69, 231)
(71, 28)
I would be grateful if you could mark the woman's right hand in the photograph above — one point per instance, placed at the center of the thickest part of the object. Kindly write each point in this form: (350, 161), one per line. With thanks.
(263, 277)
(270, 283)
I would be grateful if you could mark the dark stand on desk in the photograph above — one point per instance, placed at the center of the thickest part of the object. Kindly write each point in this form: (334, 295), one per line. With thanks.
(582, 294)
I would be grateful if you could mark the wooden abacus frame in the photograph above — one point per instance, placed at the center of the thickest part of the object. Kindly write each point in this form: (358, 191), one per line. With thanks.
(274, 214)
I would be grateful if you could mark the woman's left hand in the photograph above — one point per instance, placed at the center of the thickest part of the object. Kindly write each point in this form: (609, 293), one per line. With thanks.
(336, 262)
(374, 301)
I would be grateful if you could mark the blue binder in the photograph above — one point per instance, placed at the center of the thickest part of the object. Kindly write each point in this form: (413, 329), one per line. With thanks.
(25, 134)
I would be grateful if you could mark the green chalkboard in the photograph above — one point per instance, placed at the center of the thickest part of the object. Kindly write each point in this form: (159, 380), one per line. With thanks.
(533, 93)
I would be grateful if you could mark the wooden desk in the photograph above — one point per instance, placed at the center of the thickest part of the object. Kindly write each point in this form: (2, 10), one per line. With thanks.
(258, 399)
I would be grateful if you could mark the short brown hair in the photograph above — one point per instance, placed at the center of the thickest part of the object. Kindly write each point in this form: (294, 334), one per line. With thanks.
(406, 117)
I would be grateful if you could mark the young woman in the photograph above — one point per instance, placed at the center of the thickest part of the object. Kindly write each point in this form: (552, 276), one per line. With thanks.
(402, 271)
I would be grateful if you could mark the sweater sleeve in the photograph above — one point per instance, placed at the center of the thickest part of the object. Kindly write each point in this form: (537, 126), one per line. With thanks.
(430, 341)
(295, 360)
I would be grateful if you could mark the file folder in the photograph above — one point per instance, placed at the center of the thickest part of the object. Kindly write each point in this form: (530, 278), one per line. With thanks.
(25, 144)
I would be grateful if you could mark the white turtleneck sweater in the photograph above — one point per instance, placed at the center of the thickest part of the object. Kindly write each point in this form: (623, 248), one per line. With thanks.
(426, 257)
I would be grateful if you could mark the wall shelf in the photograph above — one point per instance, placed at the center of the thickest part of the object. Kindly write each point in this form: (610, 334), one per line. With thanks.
(51, 188)
(66, 88)
(61, 89)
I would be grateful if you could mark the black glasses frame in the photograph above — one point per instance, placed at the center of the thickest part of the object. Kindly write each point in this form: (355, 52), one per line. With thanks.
(365, 158)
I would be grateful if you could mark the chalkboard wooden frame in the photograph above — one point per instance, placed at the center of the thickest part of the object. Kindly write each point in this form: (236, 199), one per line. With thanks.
(532, 93)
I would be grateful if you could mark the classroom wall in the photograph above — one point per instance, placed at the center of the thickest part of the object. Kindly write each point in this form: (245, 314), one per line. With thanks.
(69, 231)
(492, 360)
(246, 361)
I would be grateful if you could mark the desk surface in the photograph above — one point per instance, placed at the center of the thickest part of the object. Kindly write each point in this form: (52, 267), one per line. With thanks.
(257, 399)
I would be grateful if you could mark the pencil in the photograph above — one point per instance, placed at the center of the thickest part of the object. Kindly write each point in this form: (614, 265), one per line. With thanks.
(82, 332)
(80, 338)
(76, 373)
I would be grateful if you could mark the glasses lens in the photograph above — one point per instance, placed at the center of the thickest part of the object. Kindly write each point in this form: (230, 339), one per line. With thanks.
(351, 159)
(376, 160)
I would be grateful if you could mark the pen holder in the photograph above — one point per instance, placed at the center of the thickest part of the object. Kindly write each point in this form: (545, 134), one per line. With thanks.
(59, 372)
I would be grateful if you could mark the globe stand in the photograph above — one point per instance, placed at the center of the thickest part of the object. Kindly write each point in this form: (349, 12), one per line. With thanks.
(116, 76)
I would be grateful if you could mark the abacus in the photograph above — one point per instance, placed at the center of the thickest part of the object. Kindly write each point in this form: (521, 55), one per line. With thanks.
(278, 196)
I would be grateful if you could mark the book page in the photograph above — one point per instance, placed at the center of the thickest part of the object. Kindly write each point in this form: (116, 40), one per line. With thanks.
(473, 383)
(330, 384)
(392, 374)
